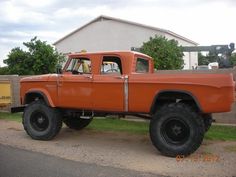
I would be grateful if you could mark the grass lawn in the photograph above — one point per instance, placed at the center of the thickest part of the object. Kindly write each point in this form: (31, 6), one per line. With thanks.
(8, 116)
(111, 124)
(220, 132)
(216, 132)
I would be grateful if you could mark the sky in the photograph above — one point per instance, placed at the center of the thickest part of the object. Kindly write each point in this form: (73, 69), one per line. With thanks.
(207, 22)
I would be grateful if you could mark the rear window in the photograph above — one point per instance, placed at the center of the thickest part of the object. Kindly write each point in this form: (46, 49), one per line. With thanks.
(142, 65)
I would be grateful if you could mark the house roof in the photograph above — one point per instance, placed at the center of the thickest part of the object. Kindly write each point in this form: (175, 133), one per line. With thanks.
(103, 17)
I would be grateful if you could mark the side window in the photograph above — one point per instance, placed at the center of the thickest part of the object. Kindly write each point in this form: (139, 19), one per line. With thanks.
(111, 65)
(142, 66)
(79, 66)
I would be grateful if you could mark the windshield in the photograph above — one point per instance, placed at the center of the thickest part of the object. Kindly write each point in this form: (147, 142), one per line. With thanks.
(79, 65)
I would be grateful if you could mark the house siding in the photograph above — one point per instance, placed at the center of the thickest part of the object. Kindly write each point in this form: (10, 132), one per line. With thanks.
(107, 35)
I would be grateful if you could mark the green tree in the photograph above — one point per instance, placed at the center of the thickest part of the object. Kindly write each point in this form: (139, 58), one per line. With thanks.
(4, 70)
(40, 58)
(205, 60)
(16, 62)
(166, 53)
(233, 59)
(211, 57)
(202, 60)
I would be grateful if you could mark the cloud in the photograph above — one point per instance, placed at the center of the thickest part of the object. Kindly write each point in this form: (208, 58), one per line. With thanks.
(206, 22)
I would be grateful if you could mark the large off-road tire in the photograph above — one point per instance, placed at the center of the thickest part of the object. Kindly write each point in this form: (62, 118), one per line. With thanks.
(176, 129)
(207, 118)
(76, 123)
(41, 122)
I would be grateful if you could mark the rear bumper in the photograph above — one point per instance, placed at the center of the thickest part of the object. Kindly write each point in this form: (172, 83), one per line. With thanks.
(17, 109)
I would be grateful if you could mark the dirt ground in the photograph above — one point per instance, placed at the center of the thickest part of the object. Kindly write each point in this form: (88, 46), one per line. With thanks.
(126, 151)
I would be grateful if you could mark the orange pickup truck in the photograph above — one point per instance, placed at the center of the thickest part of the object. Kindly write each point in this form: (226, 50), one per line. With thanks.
(179, 106)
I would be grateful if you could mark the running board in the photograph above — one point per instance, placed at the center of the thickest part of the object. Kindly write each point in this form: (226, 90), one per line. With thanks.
(83, 116)
(86, 117)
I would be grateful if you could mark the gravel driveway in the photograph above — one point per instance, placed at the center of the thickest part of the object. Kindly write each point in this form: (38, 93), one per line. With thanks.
(122, 150)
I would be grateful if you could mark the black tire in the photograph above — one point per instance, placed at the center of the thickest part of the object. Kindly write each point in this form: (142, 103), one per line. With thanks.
(207, 118)
(41, 122)
(76, 123)
(176, 129)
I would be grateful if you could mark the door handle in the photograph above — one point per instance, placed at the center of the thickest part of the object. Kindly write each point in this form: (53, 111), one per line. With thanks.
(119, 77)
(89, 77)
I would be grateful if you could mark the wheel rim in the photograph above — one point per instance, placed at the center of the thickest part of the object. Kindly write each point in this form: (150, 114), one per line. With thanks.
(39, 121)
(175, 131)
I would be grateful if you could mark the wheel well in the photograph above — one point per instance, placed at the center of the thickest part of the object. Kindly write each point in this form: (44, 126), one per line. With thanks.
(32, 96)
(174, 96)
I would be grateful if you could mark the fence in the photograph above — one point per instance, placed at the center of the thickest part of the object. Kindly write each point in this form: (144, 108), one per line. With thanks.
(15, 89)
(220, 117)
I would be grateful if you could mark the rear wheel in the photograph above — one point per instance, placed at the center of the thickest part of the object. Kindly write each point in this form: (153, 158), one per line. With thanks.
(40, 121)
(75, 122)
(176, 130)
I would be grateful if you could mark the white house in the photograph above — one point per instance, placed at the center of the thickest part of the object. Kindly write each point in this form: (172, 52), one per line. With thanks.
(107, 33)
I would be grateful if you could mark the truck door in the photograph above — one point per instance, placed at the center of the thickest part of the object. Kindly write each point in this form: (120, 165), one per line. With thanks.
(75, 85)
(108, 85)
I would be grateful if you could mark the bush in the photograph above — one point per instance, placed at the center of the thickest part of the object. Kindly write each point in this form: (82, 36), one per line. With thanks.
(166, 53)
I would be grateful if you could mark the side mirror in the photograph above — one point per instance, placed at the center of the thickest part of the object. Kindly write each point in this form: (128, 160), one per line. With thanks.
(59, 70)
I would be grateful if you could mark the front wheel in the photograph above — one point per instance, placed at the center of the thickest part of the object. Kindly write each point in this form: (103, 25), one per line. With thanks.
(176, 129)
(41, 122)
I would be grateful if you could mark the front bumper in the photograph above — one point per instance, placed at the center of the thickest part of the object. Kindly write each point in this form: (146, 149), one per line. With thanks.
(17, 109)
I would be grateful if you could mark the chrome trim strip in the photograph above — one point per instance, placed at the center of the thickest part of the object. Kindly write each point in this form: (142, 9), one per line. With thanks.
(126, 93)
